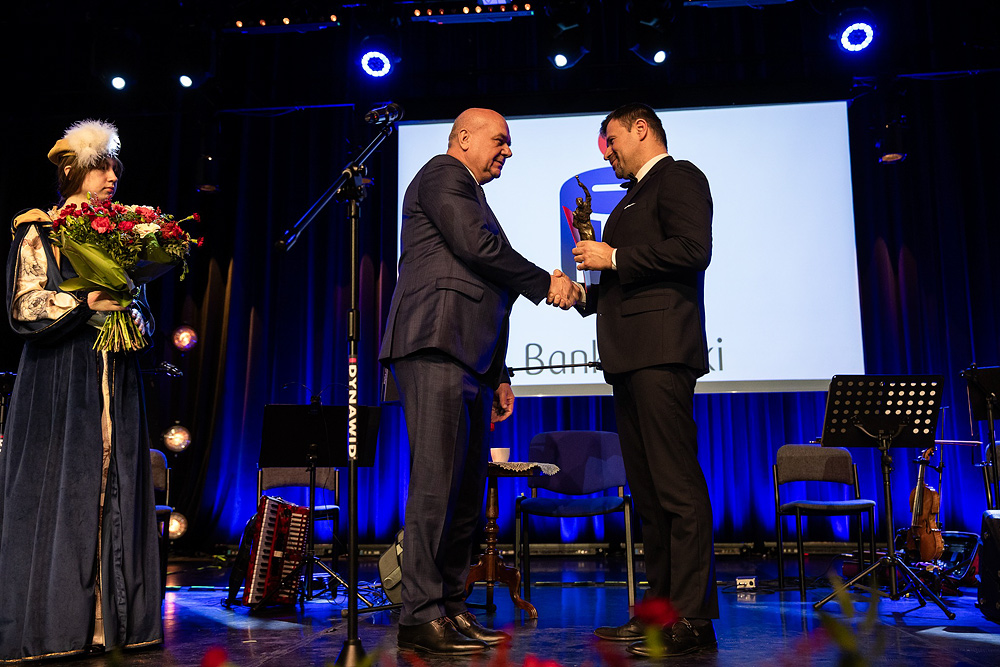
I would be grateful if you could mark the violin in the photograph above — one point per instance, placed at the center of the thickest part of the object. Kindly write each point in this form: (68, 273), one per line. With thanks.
(924, 541)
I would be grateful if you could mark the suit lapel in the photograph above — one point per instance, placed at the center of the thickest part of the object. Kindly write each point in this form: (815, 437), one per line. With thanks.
(630, 196)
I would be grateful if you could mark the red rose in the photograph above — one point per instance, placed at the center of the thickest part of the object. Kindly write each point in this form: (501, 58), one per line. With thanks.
(101, 225)
(126, 225)
(197, 217)
(656, 611)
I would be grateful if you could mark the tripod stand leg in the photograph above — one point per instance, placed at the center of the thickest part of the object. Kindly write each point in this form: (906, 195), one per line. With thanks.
(921, 587)
(871, 570)
(340, 581)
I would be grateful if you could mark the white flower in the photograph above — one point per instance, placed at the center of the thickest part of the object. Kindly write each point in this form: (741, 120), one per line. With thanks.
(146, 228)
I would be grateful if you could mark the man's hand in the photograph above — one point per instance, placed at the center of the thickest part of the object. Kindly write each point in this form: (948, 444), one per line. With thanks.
(102, 301)
(592, 255)
(563, 292)
(503, 403)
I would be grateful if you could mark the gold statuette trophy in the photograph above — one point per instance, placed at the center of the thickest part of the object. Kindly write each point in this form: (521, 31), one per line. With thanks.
(581, 216)
(582, 224)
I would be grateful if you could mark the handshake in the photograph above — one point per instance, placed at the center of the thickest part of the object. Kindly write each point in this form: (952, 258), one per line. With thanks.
(563, 292)
(589, 256)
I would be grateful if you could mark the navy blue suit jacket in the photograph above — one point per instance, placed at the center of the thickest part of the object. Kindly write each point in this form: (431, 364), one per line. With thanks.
(458, 274)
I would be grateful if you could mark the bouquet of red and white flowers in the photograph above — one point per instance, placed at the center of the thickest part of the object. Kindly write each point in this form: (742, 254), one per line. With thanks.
(116, 248)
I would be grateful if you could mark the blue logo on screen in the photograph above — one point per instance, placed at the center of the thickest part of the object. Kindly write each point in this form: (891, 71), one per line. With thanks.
(605, 190)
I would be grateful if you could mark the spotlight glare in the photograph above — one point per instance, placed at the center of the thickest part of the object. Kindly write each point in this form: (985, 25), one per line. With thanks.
(376, 64)
(659, 57)
(560, 60)
(333, 17)
(185, 80)
(184, 338)
(178, 525)
(176, 438)
(857, 36)
(118, 83)
(239, 24)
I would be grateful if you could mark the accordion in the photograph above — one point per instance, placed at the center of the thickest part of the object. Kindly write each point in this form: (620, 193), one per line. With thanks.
(277, 550)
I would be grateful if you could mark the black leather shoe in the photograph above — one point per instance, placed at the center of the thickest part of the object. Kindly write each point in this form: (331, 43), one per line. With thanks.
(629, 632)
(439, 636)
(683, 638)
(469, 625)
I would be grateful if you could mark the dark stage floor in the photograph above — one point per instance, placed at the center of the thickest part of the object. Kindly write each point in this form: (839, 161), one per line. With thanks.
(765, 627)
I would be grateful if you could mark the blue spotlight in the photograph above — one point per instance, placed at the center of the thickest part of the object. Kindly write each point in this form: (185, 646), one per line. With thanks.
(854, 29)
(185, 81)
(857, 36)
(376, 63)
(560, 60)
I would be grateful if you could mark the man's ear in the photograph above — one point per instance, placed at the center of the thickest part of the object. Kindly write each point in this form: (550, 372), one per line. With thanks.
(463, 139)
(641, 128)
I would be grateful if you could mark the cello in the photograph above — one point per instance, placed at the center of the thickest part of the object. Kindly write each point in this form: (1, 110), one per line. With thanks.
(924, 541)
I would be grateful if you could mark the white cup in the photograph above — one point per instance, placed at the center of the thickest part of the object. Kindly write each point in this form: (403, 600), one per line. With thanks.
(499, 454)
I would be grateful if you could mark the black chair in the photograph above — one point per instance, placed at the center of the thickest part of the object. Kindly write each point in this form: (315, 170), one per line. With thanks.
(812, 463)
(589, 462)
(161, 492)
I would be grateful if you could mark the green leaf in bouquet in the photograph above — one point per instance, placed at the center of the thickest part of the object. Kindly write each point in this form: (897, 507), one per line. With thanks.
(152, 251)
(77, 284)
(95, 264)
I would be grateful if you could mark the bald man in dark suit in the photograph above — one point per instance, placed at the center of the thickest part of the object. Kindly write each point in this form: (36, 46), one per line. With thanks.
(650, 308)
(445, 341)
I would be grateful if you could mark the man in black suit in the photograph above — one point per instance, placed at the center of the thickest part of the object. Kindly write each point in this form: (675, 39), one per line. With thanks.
(650, 308)
(445, 341)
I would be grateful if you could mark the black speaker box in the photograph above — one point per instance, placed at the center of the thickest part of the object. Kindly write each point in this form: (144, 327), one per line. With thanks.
(989, 566)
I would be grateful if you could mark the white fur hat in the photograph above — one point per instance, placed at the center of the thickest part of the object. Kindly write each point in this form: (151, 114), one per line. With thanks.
(90, 141)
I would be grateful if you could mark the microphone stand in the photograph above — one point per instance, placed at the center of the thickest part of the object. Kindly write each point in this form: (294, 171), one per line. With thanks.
(992, 464)
(351, 186)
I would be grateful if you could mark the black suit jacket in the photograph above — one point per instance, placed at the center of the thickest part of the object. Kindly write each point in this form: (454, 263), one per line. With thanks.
(651, 311)
(458, 274)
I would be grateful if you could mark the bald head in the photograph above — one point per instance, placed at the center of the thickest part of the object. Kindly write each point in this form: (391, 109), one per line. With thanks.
(480, 139)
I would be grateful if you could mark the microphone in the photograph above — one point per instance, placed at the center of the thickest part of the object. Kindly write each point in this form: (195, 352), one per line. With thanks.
(389, 113)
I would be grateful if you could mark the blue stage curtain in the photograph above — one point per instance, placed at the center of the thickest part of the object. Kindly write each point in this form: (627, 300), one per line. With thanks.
(275, 324)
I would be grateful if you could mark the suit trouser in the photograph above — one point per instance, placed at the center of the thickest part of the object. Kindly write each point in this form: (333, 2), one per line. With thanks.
(655, 412)
(447, 410)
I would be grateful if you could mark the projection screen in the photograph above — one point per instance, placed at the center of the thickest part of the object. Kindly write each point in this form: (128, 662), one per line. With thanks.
(782, 304)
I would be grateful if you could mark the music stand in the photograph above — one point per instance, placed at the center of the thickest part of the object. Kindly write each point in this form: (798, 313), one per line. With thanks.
(982, 387)
(311, 436)
(884, 411)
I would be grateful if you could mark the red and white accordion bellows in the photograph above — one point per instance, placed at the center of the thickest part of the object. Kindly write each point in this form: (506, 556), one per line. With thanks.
(279, 544)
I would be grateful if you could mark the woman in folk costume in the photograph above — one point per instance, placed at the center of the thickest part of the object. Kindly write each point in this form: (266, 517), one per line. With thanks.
(79, 562)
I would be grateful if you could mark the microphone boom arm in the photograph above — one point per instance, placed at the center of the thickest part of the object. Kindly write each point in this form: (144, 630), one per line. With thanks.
(291, 234)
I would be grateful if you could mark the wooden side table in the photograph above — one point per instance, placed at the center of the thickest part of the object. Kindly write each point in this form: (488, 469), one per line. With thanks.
(491, 568)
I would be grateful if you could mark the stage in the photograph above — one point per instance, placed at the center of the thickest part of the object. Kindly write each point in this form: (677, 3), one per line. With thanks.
(573, 596)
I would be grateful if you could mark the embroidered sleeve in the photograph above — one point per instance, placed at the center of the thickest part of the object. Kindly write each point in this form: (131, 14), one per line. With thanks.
(32, 301)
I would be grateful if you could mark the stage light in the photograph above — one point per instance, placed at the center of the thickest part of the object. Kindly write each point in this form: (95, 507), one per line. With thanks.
(570, 33)
(176, 438)
(118, 83)
(854, 30)
(185, 81)
(377, 58)
(184, 337)
(652, 20)
(891, 145)
(178, 525)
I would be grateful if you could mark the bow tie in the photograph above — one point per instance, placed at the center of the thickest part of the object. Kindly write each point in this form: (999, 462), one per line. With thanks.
(629, 183)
